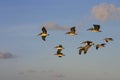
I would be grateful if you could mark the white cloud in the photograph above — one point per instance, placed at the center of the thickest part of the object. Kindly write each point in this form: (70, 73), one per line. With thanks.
(104, 12)
(54, 26)
(58, 75)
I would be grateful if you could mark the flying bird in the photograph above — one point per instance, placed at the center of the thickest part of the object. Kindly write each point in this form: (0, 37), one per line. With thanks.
(72, 31)
(108, 39)
(84, 48)
(59, 53)
(96, 28)
(100, 45)
(59, 47)
(43, 34)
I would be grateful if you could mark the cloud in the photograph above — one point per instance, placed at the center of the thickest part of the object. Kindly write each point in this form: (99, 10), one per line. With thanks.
(104, 12)
(6, 55)
(54, 26)
(58, 75)
(51, 74)
(47, 71)
(27, 72)
(54, 74)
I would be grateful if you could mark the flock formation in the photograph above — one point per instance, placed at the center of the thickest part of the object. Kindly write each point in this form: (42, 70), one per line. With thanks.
(72, 32)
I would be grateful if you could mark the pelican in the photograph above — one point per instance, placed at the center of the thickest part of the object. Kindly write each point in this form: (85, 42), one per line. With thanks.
(96, 28)
(43, 34)
(108, 39)
(72, 31)
(100, 45)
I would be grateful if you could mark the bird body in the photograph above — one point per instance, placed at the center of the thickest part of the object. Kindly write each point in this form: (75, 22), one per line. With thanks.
(43, 34)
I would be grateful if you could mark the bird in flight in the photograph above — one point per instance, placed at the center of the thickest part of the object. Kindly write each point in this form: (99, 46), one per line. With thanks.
(84, 48)
(100, 45)
(96, 28)
(108, 39)
(43, 34)
(72, 31)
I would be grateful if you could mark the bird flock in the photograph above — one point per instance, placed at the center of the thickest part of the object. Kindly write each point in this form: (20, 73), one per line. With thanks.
(72, 32)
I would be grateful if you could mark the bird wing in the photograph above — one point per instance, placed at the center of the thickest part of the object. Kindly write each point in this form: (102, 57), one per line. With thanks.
(111, 39)
(60, 45)
(86, 48)
(72, 29)
(103, 44)
(44, 30)
(43, 38)
(108, 39)
(97, 46)
(90, 29)
(96, 27)
(80, 51)
(87, 42)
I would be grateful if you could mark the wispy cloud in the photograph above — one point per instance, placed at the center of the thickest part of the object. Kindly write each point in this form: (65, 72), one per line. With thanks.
(47, 71)
(27, 72)
(54, 26)
(6, 55)
(104, 12)
(58, 75)
(54, 74)
(42, 74)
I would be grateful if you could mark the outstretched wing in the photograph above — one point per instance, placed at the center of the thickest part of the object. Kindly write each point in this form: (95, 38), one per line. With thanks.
(96, 27)
(44, 30)
(80, 51)
(43, 38)
(86, 48)
(72, 29)
(103, 44)
(87, 42)
(111, 39)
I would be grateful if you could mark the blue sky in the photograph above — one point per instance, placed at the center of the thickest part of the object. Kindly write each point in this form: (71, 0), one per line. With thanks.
(31, 58)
